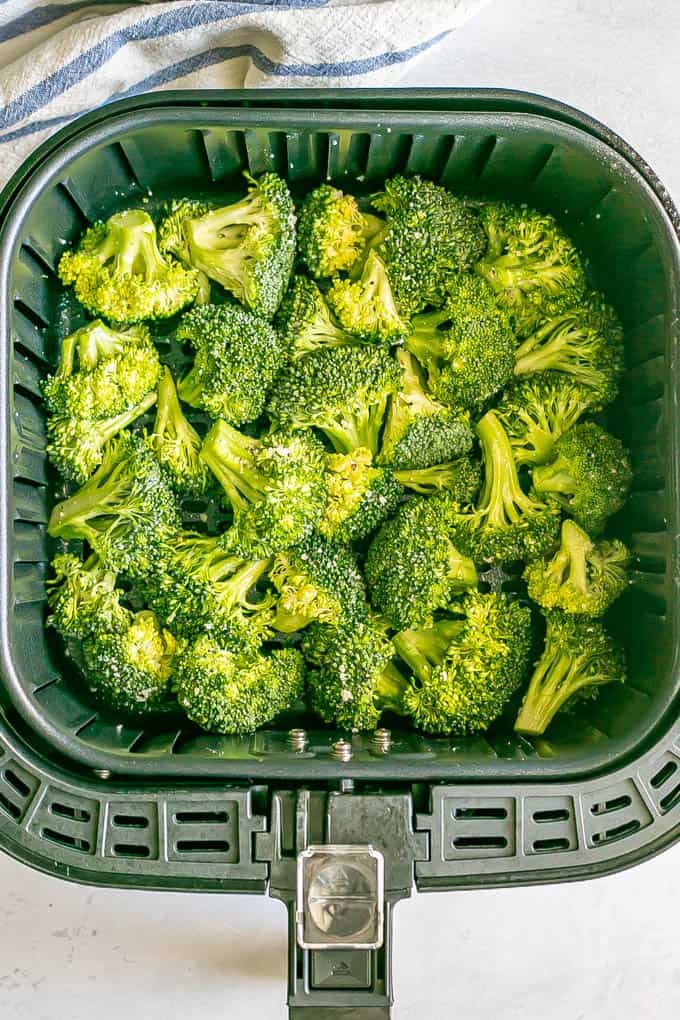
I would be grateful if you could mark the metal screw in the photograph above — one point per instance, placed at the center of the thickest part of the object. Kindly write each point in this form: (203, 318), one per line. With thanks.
(297, 740)
(381, 741)
(346, 786)
(341, 750)
(102, 773)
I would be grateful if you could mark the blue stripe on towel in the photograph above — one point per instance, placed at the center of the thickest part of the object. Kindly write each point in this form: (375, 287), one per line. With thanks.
(221, 54)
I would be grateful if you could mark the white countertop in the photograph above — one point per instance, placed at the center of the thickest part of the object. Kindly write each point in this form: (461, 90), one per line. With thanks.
(602, 950)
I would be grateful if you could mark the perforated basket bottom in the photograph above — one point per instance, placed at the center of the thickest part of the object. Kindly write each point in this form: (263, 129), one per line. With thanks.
(632, 255)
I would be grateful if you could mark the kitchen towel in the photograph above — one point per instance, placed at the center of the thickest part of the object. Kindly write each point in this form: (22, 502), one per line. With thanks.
(58, 60)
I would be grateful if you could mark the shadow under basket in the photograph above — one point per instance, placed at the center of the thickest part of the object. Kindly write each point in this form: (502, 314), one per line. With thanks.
(141, 155)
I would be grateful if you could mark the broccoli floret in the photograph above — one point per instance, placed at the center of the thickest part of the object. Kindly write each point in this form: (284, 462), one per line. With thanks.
(360, 496)
(589, 476)
(430, 235)
(76, 445)
(467, 348)
(578, 657)
(582, 577)
(460, 478)
(343, 391)
(130, 669)
(83, 598)
(507, 523)
(466, 669)
(366, 307)
(419, 430)
(332, 231)
(352, 679)
(238, 354)
(171, 237)
(412, 566)
(118, 271)
(530, 263)
(125, 511)
(176, 442)
(304, 321)
(317, 581)
(276, 486)
(247, 247)
(102, 372)
(197, 585)
(536, 410)
(228, 687)
(584, 343)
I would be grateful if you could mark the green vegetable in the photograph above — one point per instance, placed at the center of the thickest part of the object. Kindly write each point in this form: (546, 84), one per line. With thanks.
(366, 307)
(176, 442)
(579, 656)
(332, 232)
(305, 323)
(118, 272)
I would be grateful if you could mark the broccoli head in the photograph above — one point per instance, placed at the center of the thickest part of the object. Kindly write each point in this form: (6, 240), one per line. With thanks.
(332, 231)
(466, 669)
(430, 235)
(130, 669)
(412, 566)
(536, 410)
(589, 476)
(230, 687)
(118, 272)
(507, 523)
(419, 430)
(343, 391)
(76, 446)
(247, 247)
(467, 348)
(366, 307)
(276, 486)
(305, 323)
(460, 478)
(125, 511)
(317, 581)
(352, 679)
(530, 263)
(238, 354)
(83, 598)
(176, 442)
(102, 372)
(197, 585)
(582, 577)
(360, 496)
(584, 343)
(578, 657)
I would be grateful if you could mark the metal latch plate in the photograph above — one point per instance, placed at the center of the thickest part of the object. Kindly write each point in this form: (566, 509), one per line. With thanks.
(340, 897)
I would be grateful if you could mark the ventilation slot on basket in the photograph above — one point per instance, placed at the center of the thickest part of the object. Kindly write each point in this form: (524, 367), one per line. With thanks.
(197, 834)
(616, 804)
(664, 783)
(138, 850)
(621, 812)
(478, 827)
(17, 789)
(67, 821)
(619, 832)
(66, 839)
(549, 825)
(664, 774)
(132, 831)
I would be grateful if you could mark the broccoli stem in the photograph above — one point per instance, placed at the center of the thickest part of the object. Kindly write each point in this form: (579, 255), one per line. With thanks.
(423, 650)
(502, 497)
(572, 558)
(426, 342)
(358, 429)
(565, 342)
(390, 688)
(554, 681)
(230, 456)
(427, 480)
(132, 236)
(169, 414)
(554, 477)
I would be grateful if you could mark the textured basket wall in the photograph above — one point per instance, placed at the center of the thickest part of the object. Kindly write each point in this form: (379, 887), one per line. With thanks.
(632, 253)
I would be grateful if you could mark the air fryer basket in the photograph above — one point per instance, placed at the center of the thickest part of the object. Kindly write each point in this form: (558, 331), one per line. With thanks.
(87, 798)
(142, 155)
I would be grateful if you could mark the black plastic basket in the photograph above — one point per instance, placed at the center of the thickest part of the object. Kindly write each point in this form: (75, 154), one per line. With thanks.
(86, 794)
